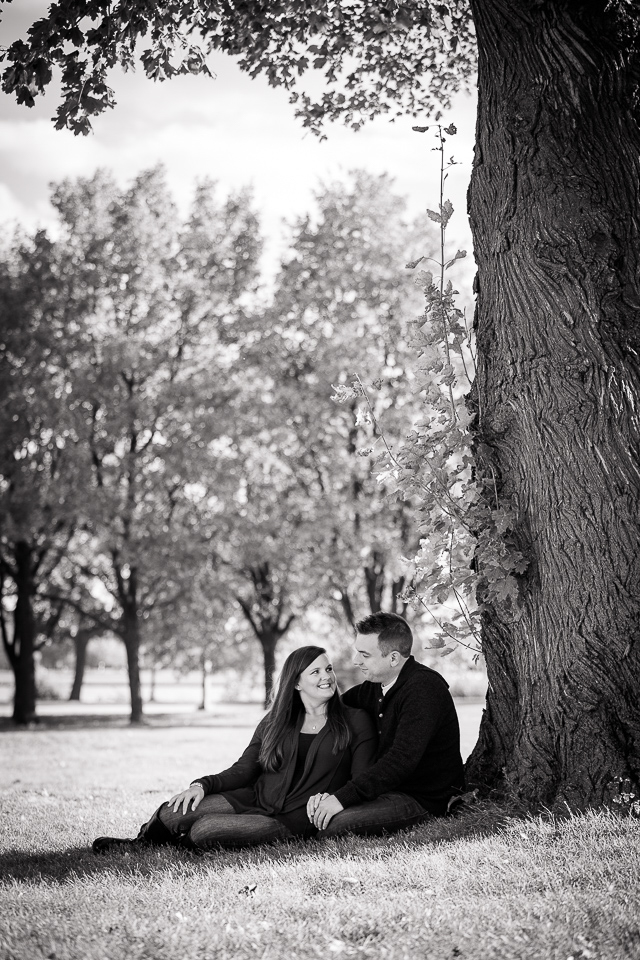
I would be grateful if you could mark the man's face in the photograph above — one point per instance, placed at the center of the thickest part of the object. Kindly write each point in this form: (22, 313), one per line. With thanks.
(372, 663)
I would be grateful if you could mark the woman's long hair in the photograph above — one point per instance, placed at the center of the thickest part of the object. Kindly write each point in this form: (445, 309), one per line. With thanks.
(286, 707)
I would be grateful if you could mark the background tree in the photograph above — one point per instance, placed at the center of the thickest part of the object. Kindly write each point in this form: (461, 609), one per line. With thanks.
(339, 310)
(197, 633)
(554, 211)
(39, 458)
(264, 553)
(82, 633)
(152, 383)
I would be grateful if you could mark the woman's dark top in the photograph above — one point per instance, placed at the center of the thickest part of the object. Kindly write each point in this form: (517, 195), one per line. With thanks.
(304, 745)
(283, 793)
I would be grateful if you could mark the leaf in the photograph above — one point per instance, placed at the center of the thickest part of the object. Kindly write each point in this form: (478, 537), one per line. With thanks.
(435, 644)
(420, 129)
(434, 216)
(460, 255)
(446, 651)
(425, 277)
(413, 263)
(446, 209)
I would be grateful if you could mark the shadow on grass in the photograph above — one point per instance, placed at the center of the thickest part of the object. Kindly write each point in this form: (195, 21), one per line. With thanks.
(61, 866)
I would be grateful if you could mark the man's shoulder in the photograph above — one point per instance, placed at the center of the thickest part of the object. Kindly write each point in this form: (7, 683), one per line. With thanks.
(424, 673)
(419, 679)
(355, 696)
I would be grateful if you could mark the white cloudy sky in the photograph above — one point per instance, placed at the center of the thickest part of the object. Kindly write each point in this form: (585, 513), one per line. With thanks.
(233, 129)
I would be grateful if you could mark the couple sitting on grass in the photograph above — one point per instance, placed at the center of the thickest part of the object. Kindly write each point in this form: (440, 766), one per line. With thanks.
(383, 756)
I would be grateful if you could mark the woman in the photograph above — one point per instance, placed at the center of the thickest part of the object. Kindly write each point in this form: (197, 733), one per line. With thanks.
(308, 743)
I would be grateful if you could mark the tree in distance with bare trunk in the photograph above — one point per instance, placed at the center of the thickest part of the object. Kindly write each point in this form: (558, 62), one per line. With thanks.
(555, 214)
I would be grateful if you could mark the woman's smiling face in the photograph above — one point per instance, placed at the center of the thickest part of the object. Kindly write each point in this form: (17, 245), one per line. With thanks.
(318, 682)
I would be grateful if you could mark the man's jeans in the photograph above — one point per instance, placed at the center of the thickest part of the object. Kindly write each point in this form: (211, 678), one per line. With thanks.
(388, 812)
(213, 824)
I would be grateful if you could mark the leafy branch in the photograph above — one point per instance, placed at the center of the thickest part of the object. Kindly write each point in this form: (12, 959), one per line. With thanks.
(467, 559)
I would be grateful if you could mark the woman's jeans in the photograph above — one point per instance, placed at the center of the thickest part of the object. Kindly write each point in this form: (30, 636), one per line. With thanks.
(388, 812)
(213, 824)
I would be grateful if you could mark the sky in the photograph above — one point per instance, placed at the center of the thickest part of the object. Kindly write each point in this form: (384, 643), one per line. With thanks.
(234, 130)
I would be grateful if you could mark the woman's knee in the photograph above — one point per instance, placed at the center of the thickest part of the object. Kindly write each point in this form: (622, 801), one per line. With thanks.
(236, 831)
(210, 831)
(166, 815)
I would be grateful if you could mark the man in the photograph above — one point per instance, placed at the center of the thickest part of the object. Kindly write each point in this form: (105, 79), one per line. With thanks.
(417, 768)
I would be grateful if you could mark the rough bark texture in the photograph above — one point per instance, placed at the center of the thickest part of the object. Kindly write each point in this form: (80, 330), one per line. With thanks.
(555, 212)
(24, 637)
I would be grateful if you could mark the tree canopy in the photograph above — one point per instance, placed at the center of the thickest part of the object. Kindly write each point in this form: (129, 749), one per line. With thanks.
(390, 57)
(183, 450)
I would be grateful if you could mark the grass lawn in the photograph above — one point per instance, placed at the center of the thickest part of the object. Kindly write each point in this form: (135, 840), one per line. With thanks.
(481, 885)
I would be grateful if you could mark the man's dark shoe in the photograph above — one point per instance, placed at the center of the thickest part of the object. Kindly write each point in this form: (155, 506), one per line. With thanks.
(107, 844)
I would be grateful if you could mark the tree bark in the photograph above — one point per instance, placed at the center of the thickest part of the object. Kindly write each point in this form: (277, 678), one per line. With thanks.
(265, 612)
(269, 642)
(555, 213)
(374, 578)
(24, 637)
(203, 674)
(131, 638)
(81, 642)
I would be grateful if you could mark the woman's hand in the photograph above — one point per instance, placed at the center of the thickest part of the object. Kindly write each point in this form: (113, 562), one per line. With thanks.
(312, 804)
(192, 795)
(326, 811)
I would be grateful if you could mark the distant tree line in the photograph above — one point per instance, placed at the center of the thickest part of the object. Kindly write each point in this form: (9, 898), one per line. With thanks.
(169, 451)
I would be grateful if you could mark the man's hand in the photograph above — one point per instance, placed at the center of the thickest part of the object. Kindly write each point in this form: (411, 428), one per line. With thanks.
(324, 810)
(192, 795)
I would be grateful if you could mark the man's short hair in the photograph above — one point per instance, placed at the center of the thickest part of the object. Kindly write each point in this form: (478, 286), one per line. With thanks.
(394, 633)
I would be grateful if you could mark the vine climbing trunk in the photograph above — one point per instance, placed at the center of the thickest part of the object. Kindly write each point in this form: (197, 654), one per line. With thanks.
(555, 213)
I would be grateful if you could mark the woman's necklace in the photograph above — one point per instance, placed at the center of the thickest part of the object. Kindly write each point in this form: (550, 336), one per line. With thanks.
(316, 723)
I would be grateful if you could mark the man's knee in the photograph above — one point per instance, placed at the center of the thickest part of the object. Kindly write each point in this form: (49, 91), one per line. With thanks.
(387, 814)
(339, 824)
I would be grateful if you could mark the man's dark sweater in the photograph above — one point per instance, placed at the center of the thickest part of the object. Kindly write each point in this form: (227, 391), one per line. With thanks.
(419, 740)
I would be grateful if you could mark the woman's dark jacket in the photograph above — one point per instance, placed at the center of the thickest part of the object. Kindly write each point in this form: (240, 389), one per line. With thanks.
(250, 789)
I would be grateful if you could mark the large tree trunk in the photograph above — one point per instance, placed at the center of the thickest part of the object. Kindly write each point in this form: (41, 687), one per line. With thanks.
(24, 637)
(555, 213)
